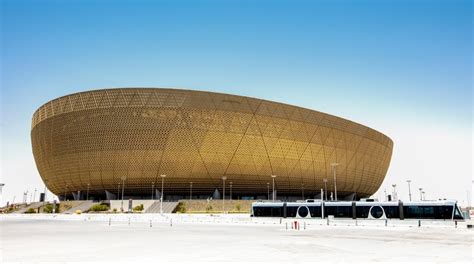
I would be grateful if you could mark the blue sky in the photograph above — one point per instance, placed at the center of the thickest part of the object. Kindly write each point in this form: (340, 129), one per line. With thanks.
(374, 62)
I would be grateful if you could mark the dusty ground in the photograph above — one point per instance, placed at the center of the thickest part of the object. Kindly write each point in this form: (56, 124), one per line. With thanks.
(210, 239)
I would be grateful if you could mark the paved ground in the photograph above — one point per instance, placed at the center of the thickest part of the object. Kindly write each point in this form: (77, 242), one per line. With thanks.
(28, 239)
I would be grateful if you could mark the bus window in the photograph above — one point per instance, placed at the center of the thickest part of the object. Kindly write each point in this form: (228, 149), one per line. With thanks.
(315, 211)
(443, 212)
(276, 211)
(457, 214)
(338, 211)
(343, 211)
(291, 211)
(362, 211)
(391, 211)
(428, 212)
(329, 210)
(412, 211)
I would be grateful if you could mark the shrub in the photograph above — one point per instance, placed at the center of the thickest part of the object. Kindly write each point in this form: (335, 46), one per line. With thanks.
(114, 210)
(99, 208)
(181, 208)
(238, 207)
(30, 211)
(208, 208)
(138, 208)
(49, 208)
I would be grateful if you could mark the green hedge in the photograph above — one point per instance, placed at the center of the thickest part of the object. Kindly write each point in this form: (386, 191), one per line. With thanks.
(99, 208)
(30, 211)
(138, 208)
(48, 209)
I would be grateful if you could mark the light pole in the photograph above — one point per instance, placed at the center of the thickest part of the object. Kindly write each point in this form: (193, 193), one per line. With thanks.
(1, 189)
(118, 191)
(123, 178)
(87, 193)
(302, 191)
(34, 196)
(394, 192)
(230, 191)
(273, 188)
(65, 191)
(152, 189)
(190, 191)
(325, 189)
(268, 191)
(334, 165)
(385, 193)
(421, 193)
(409, 189)
(44, 197)
(424, 196)
(163, 176)
(468, 200)
(223, 193)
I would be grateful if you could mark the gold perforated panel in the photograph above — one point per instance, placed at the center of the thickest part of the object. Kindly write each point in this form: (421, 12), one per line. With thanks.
(97, 137)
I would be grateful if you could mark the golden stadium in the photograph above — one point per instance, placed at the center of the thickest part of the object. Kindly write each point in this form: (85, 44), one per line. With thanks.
(104, 140)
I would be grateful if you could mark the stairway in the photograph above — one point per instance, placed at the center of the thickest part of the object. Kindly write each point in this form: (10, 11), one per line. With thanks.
(168, 207)
(34, 205)
(83, 207)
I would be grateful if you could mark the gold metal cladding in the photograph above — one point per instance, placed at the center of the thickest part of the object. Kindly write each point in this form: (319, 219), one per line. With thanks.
(97, 137)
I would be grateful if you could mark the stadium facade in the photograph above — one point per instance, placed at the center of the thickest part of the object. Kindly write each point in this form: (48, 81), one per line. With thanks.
(98, 142)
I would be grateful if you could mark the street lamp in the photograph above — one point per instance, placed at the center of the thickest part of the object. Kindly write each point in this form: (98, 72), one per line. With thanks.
(190, 191)
(152, 189)
(230, 191)
(163, 176)
(424, 196)
(409, 189)
(334, 165)
(273, 188)
(34, 196)
(325, 189)
(123, 178)
(394, 192)
(268, 191)
(223, 192)
(421, 193)
(118, 191)
(45, 190)
(87, 193)
(302, 191)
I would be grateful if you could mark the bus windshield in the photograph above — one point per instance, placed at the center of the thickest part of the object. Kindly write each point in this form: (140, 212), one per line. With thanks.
(457, 213)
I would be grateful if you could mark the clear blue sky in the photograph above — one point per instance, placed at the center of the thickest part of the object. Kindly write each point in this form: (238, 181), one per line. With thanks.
(369, 61)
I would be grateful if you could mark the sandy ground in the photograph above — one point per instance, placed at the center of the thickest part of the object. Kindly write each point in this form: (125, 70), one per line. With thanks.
(232, 239)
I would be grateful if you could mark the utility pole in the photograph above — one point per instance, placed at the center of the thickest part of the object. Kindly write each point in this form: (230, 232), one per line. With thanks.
(123, 178)
(190, 191)
(325, 189)
(152, 190)
(394, 192)
(163, 176)
(334, 165)
(87, 195)
(223, 193)
(273, 194)
(268, 191)
(409, 189)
